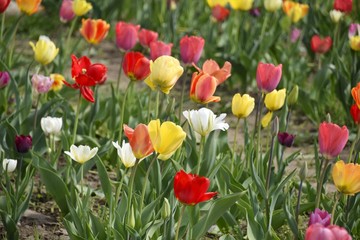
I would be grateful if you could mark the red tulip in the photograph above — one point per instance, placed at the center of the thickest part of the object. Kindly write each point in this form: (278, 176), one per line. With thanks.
(319, 45)
(220, 13)
(333, 232)
(136, 66)
(191, 49)
(139, 140)
(268, 76)
(191, 189)
(126, 35)
(3, 5)
(66, 11)
(94, 30)
(159, 48)
(146, 37)
(86, 75)
(355, 113)
(343, 5)
(23, 143)
(332, 139)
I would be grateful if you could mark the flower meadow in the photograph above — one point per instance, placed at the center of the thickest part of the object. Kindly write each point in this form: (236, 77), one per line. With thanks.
(181, 119)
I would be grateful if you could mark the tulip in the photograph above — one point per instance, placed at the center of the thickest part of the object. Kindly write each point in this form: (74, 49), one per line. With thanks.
(191, 49)
(295, 11)
(340, 233)
(81, 7)
(320, 217)
(255, 12)
(355, 92)
(3, 5)
(58, 81)
(336, 15)
(126, 35)
(353, 29)
(295, 34)
(242, 106)
(204, 82)
(213, 3)
(319, 45)
(165, 209)
(190, 189)
(293, 96)
(23, 143)
(332, 139)
(243, 5)
(266, 119)
(355, 43)
(51, 125)
(165, 138)
(45, 50)
(139, 140)
(125, 154)
(94, 30)
(204, 121)
(346, 177)
(28, 6)
(4, 79)
(272, 5)
(136, 66)
(81, 154)
(318, 231)
(66, 11)
(41, 84)
(355, 113)
(220, 13)
(286, 139)
(275, 99)
(159, 48)
(9, 165)
(343, 5)
(164, 73)
(146, 37)
(268, 76)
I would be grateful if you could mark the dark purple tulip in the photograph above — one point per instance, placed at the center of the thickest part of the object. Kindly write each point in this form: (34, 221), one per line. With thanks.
(255, 12)
(286, 139)
(322, 217)
(23, 143)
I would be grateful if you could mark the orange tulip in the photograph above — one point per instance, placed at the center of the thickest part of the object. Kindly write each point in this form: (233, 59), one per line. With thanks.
(295, 11)
(139, 140)
(94, 30)
(355, 92)
(346, 177)
(28, 6)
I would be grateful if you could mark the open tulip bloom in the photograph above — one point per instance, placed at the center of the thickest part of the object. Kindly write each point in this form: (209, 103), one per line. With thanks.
(81, 154)
(346, 177)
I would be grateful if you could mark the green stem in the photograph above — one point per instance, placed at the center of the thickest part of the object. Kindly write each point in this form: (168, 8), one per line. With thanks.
(258, 124)
(353, 144)
(81, 180)
(120, 72)
(298, 202)
(179, 222)
(123, 111)
(36, 111)
(319, 187)
(263, 28)
(157, 104)
(337, 197)
(201, 150)
(76, 119)
(145, 182)
(268, 175)
(2, 27)
(132, 178)
(117, 196)
(234, 144)
(71, 30)
(182, 95)
(149, 105)
(13, 40)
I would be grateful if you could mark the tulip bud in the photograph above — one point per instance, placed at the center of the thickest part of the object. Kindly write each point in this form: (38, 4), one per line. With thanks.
(4, 79)
(165, 210)
(66, 11)
(336, 15)
(3, 5)
(328, 118)
(23, 143)
(132, 217)
(286, 139)
(51, 125)
(303, 171)
(293, 96)
(9, 165)
(275, 127)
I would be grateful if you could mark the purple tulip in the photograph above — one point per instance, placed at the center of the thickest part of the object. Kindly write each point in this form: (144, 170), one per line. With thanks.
(41, 83)
(286, 139)
(318, 216)
(23, 143)
(4, 79)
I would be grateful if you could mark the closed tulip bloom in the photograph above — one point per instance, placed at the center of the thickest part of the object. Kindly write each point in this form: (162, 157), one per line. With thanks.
(319, 216)
(139, 140)
(126, 35)
(81, 154)
(343, 5)
(332, 139)
(320, 45)
(164, 73)
(136, 66)
(340, 233)
(191, 49)
(4, 79)
(66, 11)
(268, 76)
(165, 138)
(159, 48)
(125, 154)
(354, 29)
(9, 165)
(23, 143)
(41, 84)
(204, 121)
(146, 37)
(28, 6)
(355, 113)
(191, 189)
(213, 3)
(336, 15)
(243, 5)
(346, 177)
(318, 231)
(58, 81)
(94, 30)
(355, 43)
(275, 99)
(272, 5)
(220, 13)
(295, 11)
(295, 34)
(45, 50)
(286, 139)
(3, 5)
(355, 92)
(242, 106)
(51, 125)
(81, 7)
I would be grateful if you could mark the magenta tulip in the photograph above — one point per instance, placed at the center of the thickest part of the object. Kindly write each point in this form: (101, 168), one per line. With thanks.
(318, 216)
(268, 76)
(159, 48)
(191, 49)
(126, 35)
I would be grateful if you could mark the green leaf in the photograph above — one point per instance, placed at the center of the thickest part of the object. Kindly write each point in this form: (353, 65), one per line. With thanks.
(104, 179)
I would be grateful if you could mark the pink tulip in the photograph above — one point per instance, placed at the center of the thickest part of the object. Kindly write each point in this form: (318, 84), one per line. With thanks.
(332, 232)
(41, 83)
(332, 139)
(4, 79)
(191, 49)
(146, 37)
(295, 34)
(268, 76)
(340, 233)
(126, 35)
(159, 48)
(66, 11)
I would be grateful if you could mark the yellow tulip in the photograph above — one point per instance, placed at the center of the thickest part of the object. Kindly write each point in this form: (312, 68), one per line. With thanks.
(213, 3)
(81, 7)
(266, 119)
(28, 6)
(275, 99)
(164, 73)
(242, 106)
(45, 50)
(355, 43)
(165, 138)
(346, 177)
(295, 11)
(58, 81)
(244, 5)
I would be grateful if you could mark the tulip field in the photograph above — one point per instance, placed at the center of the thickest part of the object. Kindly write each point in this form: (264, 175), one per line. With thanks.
(180, 119)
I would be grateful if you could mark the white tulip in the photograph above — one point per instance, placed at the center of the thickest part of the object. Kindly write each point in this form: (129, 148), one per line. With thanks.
(204, 121)
(125, 153)
(336, 15)
(81, 154)
(9, 165)
(272, 5)
(51, 125)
